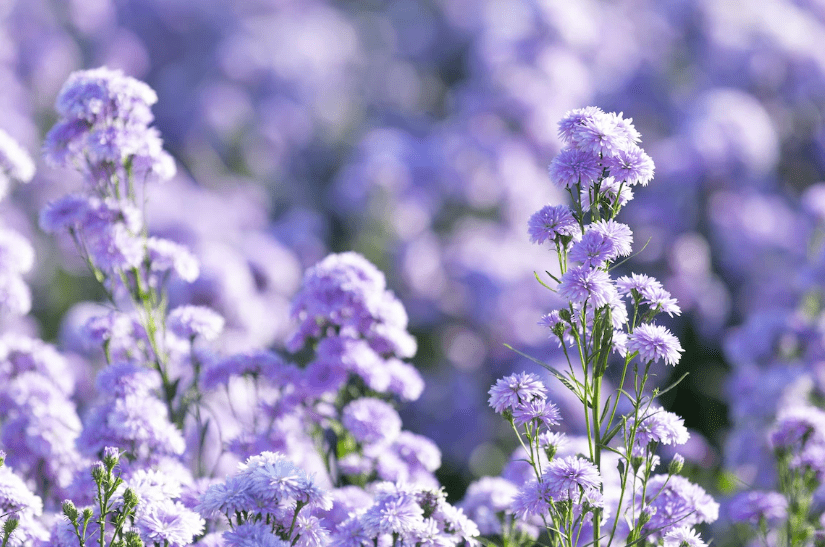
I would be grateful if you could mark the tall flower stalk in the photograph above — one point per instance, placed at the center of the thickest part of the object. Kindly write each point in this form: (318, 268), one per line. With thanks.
(604, 321)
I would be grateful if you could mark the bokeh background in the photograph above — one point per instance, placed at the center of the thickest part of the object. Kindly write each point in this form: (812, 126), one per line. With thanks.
(417, 132)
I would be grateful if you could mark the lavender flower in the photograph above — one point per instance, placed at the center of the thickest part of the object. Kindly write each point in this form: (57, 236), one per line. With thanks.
(582, 284)
(538, 411)
(658, 426)
(533, 499)
(485, 499)
(601, 134)
(641, 283)
(593, 249)
(253, 534)
(169, 523)
(631, 165)
(751, 507)
(574, 119)
(510, 391)
(193, 321)
(66, 212)
(572, 166)
(683, 536)
(654, 343)
(371, 421)
(165, 255)
(550, 222)
(797, 425)
(677, 502)
(618, 234)
(571, 478)
(395, 511)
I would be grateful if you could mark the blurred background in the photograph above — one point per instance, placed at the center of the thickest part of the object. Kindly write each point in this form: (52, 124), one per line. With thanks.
(418, 132)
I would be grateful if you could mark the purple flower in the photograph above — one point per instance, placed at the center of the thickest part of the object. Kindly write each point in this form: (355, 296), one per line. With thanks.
(654, 343)
(347, 291)
(601, 134)
(617, 233)
(66, 212)
(570, 478)
(116, 249)
(573, 166)
(570, 123)
(795, 426)
(395, 511)
(683, 536)
(417, 451)
(751, 507)
(405, 380)
(234, 494)
(533, 499)
(541, 411)
(550, 222)
(593, 249)
(676, 502)
(487, 497)
(659, 298)
(371, 421)
(638, 282)
(104, 94)
(631, 165)
(253, 534)
(165, 255)
(582, 284)
(658, 426)
(310, 532)
(510, 391)
(169, 523)
(192, 321)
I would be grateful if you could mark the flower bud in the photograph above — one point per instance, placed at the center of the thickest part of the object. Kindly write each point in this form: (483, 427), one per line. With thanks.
(111, 456)
(70, 511)
(676, 464)
(636, 462)
(2, 457)
(98, 472)
(10, 525)
(88, 514)
(130, 498)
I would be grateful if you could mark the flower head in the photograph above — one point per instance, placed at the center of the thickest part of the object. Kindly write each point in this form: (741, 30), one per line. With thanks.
(582, 284)
(549, 222)
(573, 166)
(510, 391)
(654, 343)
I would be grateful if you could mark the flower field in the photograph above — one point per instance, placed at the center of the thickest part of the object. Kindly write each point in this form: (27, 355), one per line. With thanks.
(410, 273)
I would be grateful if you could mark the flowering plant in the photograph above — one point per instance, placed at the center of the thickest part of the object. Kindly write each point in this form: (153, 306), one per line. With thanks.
(609, 489)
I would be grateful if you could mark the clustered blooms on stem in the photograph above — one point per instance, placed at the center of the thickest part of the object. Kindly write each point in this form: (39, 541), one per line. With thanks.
(605, 490)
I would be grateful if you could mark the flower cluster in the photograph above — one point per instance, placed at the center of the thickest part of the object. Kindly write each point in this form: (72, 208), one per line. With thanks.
(570, 494)
(104, 131)
(270, 499)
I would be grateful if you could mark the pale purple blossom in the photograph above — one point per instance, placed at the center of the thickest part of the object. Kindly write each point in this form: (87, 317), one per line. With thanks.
(654, 343)
(573, 166)
(191, 321)
(583, 284)
(550, 222)
(510, 391)
(371, 421)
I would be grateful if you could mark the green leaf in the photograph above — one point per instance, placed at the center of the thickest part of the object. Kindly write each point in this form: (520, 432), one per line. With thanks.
(671, 386)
